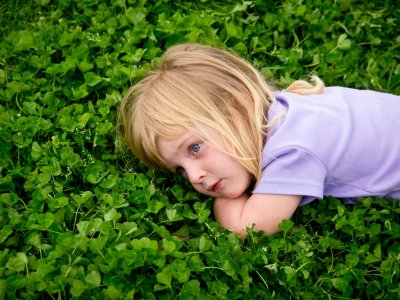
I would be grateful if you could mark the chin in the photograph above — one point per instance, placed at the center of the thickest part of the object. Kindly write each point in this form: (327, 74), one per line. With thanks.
(234, 195)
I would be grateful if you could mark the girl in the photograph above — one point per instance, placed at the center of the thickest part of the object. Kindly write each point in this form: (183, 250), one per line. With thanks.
(210, 116)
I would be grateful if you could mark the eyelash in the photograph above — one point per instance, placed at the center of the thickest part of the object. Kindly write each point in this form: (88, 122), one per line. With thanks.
(181, 170)
(199, 145)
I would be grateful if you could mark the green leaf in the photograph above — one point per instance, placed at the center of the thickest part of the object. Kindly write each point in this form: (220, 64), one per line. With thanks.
(53, 168)
(352, 260)
(112, 215)
(6, 184)
(177, 191)
(290, 272)
(141, 180)
(129, 227)
(16, 282)
(24, 41)
(30, 108)
(301, 10)
(78, 287)
(104, 127)
(44, 178)
(82, 198)
(46, 220)
(233, 30)
(86, 66)
(83, 227)
(343, 42)
(80, 92)
(36, 151)
(92, 79)
(164, 277)
(98, 244)
(42, 2)
(201, 211)
(286, 225)
(62, 68)
(169, 246)
(204, 244)
(93, 279)
(3, 76)
(191, 289)
(155, 207)
(136, 15)
(340, 283)
(183, 231)
(171, 214)
(5, 231)
(18, 262)
(228, 268)
(180, 271)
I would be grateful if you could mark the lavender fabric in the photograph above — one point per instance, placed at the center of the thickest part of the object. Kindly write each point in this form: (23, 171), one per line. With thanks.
(344, 143)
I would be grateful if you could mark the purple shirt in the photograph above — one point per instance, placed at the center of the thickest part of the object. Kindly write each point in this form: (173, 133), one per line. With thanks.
(344, 143)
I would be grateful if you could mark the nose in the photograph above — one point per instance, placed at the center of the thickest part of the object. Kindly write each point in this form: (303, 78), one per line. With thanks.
(195, 174)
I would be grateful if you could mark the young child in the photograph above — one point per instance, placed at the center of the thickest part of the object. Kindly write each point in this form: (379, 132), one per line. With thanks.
(210, 116)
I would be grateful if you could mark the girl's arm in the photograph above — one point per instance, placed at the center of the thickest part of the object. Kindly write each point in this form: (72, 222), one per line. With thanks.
(265, 211)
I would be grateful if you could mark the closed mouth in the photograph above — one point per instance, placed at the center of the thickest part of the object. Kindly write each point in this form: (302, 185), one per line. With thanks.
(216, 186)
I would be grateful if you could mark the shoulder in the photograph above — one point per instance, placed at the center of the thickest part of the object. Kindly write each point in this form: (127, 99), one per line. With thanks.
(292, 170)
(333, 91)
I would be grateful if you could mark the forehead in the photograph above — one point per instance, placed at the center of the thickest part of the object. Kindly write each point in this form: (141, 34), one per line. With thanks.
(169, 146)
(173, 142)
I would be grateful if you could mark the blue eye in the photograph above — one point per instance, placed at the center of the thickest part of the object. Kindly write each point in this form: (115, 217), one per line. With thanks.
(195, 148)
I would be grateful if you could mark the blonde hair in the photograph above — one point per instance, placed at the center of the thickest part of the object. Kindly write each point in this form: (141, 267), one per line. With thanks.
(196, 84)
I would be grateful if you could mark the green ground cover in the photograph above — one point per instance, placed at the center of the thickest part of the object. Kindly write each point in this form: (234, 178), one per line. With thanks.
(80, 219)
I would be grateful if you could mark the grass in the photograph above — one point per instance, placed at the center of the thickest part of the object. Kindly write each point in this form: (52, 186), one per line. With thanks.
(76, 223)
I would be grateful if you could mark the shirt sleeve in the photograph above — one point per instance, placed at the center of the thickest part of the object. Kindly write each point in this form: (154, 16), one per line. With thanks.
(292, 171)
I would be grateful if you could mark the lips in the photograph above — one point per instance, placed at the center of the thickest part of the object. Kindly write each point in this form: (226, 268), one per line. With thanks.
(216, 186)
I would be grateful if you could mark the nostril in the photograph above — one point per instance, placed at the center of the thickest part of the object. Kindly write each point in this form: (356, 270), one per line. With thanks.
(196, 177)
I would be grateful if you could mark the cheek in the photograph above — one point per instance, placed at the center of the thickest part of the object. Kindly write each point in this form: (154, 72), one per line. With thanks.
(239, 168)
(244, 177)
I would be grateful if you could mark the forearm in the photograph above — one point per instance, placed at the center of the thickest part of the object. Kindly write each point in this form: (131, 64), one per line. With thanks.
(228, 212)
(265, 211)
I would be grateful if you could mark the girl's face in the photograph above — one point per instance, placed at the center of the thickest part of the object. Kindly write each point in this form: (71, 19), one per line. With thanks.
(210, 171)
